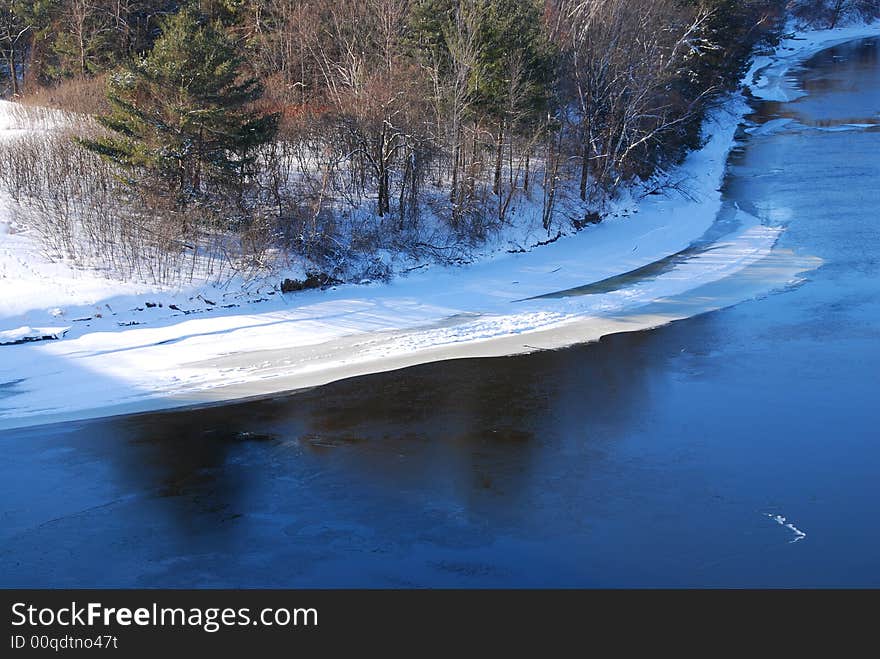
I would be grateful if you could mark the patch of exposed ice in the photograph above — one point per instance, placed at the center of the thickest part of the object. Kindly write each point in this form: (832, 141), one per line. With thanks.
(782, 521)
(772, 126)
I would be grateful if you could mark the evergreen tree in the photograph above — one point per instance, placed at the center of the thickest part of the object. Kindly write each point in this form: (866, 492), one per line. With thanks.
(509, 80)
(184, 112)
(512, 50)
(512, 80)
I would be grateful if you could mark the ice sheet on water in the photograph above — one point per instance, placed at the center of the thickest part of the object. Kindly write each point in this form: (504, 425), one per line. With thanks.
(782, 521)
(770, 127)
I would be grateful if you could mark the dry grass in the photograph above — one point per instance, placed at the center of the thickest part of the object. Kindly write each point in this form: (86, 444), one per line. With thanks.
(84, 96)
(85, 211)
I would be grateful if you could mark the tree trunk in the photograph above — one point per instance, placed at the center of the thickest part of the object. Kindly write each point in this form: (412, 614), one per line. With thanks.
(382, 163)
(456, 157)
(499, 160)
(13, 74)
(585, 167)
(383, 192)
(407, 180)
(472, 174)
(197, 173)
(454, 195)
(835, 13)
(551, 169)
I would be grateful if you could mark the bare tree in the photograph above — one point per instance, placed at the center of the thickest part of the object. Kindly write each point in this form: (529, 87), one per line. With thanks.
(624, 56)
(831, 13)
(16, 24)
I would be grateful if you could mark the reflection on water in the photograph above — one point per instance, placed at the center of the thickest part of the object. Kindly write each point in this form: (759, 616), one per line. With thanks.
(648, 458)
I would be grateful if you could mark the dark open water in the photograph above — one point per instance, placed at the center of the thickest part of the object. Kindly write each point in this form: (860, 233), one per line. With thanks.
(649, 459)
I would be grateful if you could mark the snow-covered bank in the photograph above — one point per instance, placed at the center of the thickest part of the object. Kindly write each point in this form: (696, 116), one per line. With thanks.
(210, 360)
(123, 349)
(126, 353)
(25, 334)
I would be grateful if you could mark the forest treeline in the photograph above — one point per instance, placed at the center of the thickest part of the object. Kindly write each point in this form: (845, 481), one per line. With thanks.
(338, 128)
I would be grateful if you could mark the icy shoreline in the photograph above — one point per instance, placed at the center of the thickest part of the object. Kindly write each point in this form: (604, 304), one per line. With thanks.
(122, 355)
(768, 78)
